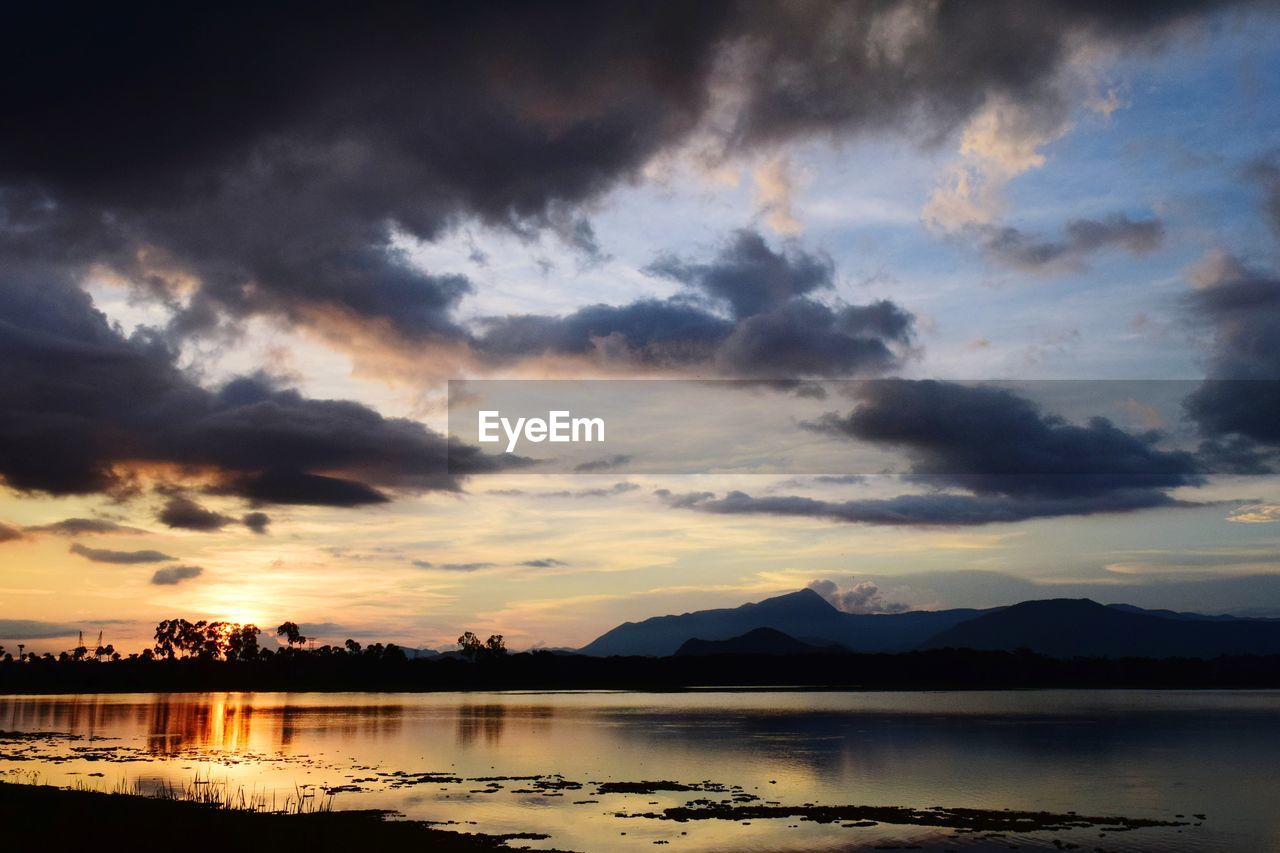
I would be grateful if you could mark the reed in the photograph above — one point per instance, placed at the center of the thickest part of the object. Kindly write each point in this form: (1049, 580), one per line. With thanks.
(220, 794)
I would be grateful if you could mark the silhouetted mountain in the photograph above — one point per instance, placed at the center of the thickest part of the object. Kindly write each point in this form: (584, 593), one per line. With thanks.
(761, 641)
(803, 615)
(1083, 628)
(1178, 614)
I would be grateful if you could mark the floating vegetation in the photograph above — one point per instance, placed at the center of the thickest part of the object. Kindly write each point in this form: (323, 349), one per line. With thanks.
(968, 820)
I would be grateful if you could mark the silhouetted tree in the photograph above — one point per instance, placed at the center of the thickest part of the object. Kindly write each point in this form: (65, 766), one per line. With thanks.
(473, 648)
(470, 646)
(289, 630)
(242, 642)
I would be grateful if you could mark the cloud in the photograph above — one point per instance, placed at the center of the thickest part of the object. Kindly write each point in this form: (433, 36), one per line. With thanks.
(930, 510)
(1240, 399)
(1241, 594)
(1265, 171)
(603, 492)
(748, 276)
(293, 160)
(991, 441)
(292, 154)
(862, 597)
(987, 454)
(1256, 514)
(33, 629)
(187, 514)
(83, 527)
(8, 533)
(819, 480)
(840, 479)
(773, 194)
(103, 555)
(277, 486)
(615, 461)
(1083, 237)
(86, 405)
(1002, 140)
(541, 563)
(465, 567)
(175, 575)
(774, 329)
(256, 521)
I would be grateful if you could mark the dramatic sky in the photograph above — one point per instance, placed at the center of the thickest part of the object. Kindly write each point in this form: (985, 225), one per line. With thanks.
(243, 249)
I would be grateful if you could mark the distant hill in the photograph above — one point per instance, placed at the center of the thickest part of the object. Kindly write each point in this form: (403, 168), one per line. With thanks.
(1198, 617)
(803, 615)
(1057, 627)
(1083, 628)
(760, 641)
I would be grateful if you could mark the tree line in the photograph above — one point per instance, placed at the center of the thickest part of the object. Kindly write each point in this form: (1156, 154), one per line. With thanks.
(180, 639)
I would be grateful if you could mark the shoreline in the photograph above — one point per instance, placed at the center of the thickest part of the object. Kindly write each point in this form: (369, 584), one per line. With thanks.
(655, 691)
(934, 670)
(44, 814)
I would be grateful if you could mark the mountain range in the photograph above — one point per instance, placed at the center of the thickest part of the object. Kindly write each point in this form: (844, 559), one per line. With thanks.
(805, 621)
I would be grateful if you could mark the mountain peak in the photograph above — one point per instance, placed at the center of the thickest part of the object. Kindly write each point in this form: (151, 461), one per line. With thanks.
(801, 599)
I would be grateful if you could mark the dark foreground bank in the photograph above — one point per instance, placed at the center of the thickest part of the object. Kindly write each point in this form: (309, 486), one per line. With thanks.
(56, 819)
(939, 669)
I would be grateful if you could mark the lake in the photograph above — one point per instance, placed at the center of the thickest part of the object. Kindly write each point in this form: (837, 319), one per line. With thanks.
(571, 764)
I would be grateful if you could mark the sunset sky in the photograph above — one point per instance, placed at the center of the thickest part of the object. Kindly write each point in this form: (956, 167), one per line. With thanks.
(242, 253)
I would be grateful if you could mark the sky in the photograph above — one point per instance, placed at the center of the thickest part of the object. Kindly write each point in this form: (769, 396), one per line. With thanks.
(242, 255)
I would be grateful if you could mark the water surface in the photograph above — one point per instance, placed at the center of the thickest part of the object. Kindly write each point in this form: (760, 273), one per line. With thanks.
(1158, 755)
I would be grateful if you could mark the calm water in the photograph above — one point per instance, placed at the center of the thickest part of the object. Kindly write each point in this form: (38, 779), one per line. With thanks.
(1135, 754)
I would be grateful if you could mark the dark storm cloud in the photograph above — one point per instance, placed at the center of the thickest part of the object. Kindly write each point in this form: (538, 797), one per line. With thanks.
(988, 456)
(82, 527)
(175, 575)
(830, 67)
(269, 152)
(82, 400)
(256, 521)
(295, 137)
(1083, 237)
(252, 159)
(123, 558)
(775, 330)
(992, 441)
(663, 333)
(1237, 408)
(189, 515)
(748, 276)
(294, 487)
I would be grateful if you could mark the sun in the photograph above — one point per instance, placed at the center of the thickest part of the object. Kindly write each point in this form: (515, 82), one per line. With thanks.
(244, 616)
